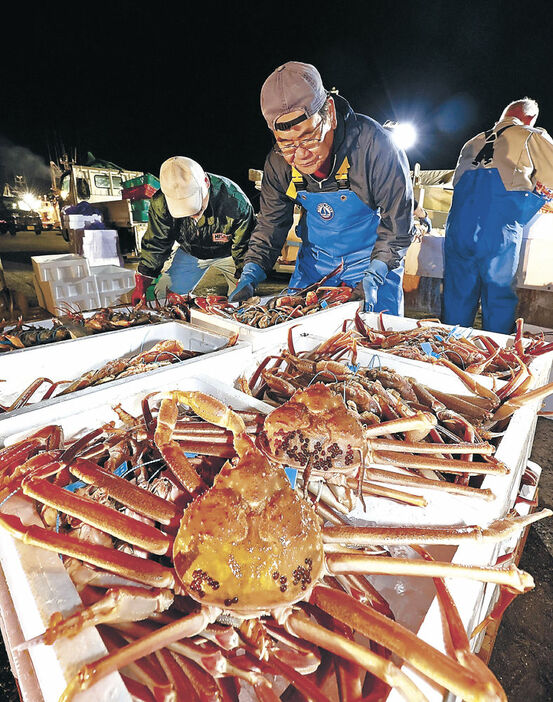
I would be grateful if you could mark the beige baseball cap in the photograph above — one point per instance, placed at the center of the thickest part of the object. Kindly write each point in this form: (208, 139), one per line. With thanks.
(183, 183)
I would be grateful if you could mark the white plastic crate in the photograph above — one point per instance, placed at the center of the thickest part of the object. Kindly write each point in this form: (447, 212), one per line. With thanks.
(60, 268)
(77, 294)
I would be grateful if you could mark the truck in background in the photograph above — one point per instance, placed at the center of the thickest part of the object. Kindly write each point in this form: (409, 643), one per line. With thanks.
(99, 183)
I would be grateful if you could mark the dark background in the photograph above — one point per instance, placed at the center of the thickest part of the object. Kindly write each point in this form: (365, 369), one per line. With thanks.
(137, 83)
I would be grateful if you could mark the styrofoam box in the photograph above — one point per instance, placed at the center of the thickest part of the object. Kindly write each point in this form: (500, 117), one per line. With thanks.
(77, 294)
(40, 586)
(326, 322)
(70, 359)
(113, 278)
(100, 247)
(114, 282)
(60, 268)
(36, 416)
(442, 508)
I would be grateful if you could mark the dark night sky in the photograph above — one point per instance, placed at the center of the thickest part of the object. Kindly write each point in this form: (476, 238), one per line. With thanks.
(136, 84)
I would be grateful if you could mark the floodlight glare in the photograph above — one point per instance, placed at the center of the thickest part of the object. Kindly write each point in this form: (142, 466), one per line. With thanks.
(404, 135)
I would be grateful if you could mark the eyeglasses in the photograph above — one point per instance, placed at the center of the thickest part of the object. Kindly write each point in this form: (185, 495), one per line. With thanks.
(307, 144)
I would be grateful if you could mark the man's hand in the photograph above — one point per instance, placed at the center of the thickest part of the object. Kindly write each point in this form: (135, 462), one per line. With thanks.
(141, 283)
(374, 276)
(251, 276)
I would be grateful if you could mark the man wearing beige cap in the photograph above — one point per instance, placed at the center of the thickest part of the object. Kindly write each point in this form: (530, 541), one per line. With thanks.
(207, 216)
(351, 182)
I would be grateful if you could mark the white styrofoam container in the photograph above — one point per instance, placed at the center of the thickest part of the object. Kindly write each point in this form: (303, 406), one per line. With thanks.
(67, 361)
(101, 247)
(325, 322)
(412, 599)
(113, 278)
(111, 394)
(79, 294)
(38, 582)
(442, 508)
(60, 268)
(114, 282)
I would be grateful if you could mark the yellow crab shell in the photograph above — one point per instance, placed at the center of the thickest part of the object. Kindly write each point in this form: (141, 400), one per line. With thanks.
(250, 544)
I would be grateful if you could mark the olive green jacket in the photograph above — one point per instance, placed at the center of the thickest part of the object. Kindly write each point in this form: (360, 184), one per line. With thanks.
(223, 230)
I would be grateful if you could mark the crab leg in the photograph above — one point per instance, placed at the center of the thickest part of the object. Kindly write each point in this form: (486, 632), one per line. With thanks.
(466, 683)
(124, 564)
(387, 476)
(514, 403)
(368, 536)
(439, 464)
(186, 627)
(301, 626)
(469, 381)
(135, 498)
(172, 453)
(126, 603)
(102, 517)
(422, 447)
(365, 563)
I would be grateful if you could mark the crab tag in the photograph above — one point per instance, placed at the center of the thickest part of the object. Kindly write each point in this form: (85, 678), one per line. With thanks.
(292, 475)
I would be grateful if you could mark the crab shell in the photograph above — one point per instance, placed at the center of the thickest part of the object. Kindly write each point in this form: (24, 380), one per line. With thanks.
(250, 544)
(314, 426)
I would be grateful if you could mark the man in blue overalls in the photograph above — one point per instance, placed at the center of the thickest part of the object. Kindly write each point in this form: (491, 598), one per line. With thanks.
(351, 182)
(503, 178)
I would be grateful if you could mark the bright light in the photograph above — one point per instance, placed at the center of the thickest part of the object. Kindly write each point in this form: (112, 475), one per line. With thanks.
(29, 202)
(404, 136)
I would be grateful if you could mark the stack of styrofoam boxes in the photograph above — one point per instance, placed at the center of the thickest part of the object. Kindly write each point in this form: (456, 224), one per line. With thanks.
(64, 280)
(101, 247)
(67, 280)
(114, 282)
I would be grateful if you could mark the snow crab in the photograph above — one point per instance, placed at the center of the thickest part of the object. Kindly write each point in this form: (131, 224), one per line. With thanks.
(479, 354)
(262, 586)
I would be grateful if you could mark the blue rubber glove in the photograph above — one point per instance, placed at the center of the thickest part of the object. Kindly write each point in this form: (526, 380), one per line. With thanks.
(251, 276)
(426, 222)
(374, 276)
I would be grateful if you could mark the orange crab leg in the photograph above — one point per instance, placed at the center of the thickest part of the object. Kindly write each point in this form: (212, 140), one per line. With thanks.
(386, 476)
(126, 603)
(365, 563)
(102, 517)
(301, 626)
(439, 667)
(448, 465)
(124, 564)
(135, 498)
(514, 403)
(373, 536)
(469, 381)
(186, 627)
(465, 447)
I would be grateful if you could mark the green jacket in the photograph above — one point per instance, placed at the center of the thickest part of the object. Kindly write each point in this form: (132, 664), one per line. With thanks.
(223, 230)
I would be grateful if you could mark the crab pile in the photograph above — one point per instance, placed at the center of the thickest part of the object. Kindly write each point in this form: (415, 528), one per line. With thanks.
(478, 353)
(233, 577)
(22, 336)
(401, 431)
(291, 304)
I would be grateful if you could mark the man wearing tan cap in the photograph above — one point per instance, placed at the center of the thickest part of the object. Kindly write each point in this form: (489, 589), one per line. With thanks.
(207, 216)
(351, 182)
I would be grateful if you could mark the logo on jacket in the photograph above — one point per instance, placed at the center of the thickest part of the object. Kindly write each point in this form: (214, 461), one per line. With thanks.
(220, 237)
(325, 210)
